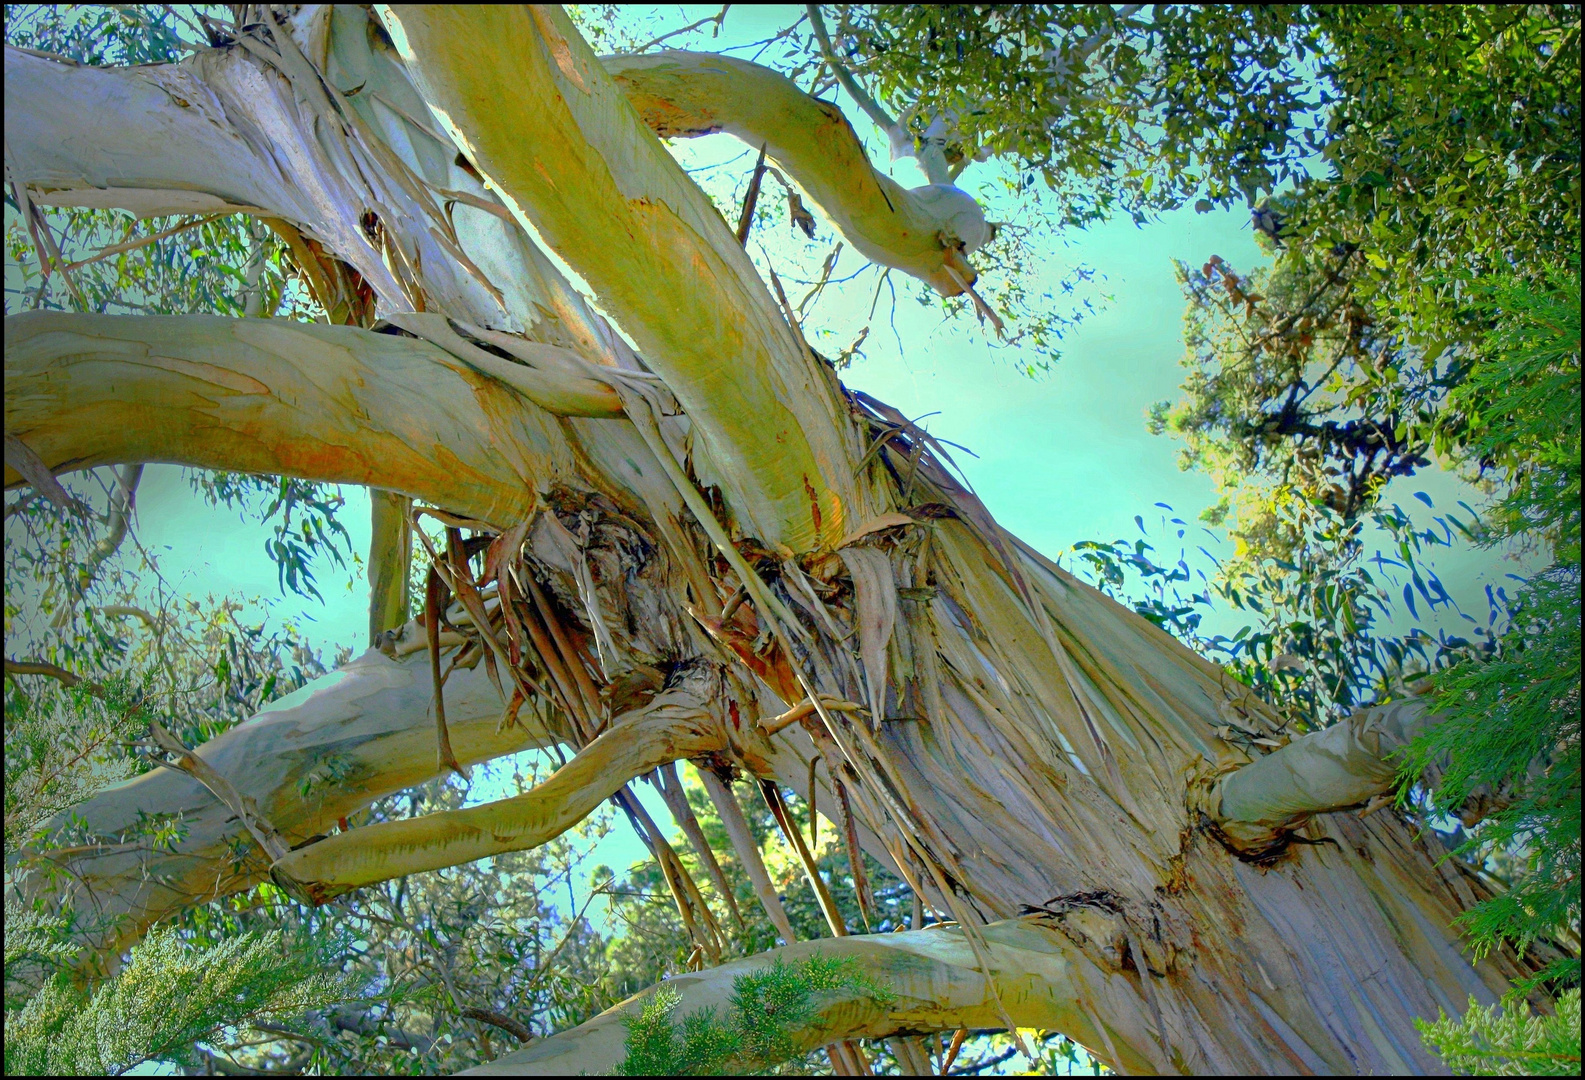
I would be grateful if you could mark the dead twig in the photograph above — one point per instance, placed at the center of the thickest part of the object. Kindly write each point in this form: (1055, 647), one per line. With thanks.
(745, 221)
(269, 840)
(718, 18)
(806, 708)
(21, 457)
(500, 1020)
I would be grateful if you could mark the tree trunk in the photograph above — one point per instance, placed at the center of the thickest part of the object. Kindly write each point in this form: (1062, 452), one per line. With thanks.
(702, 529)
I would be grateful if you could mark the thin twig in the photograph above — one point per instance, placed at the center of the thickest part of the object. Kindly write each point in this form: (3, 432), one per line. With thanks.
(871, 107)
(500, 1020)
(717, 18)
(133, 245)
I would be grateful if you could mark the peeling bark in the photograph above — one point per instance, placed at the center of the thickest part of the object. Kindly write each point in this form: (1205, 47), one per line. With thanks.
(540, 118)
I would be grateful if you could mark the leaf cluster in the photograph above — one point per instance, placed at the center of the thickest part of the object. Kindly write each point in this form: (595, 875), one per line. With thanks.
(1114, 110)
(1508, 1040)
(1511, 733)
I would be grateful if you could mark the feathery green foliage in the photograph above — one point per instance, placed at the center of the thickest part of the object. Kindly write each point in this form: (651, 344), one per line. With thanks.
(1507, 1040)
(756, 1036)
(1511, 733)
(168, 995)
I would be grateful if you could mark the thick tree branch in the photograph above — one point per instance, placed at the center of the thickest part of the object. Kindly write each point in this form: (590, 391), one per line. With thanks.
(675, 725)
(45, 668)
(683, 94)
(328, 403)
(305, 761)
(1339, 766)
(170, 139)
(1046, 981)
(537, 114)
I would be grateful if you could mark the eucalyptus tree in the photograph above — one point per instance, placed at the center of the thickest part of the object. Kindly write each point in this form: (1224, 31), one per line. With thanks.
(670, 534)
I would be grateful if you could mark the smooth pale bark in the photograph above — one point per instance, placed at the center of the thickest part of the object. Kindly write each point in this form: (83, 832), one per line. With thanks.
(307, 760)
(1043, 979)
(1339, 766)
(684, 94)
(163, 139)
(543, 122)
(390, 562)
(331, 403)
(675, 725)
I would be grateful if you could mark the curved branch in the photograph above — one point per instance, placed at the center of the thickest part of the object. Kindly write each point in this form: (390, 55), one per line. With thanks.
(330, 403)
(918, 231)
(527, 101)
(1045, 980)
(44, 667)
(306, 760)
(675, 725)
(1339, 766)
(122, 500)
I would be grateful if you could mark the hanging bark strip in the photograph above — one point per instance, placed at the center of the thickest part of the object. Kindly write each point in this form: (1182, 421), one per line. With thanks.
(789, 828)
(571, 659)
(745, 221)
(952, 1051)
(702, 928)
(433, 602)
(814, 810)
(671, 791)
(850, 838)
(269, 840)
(748, 853)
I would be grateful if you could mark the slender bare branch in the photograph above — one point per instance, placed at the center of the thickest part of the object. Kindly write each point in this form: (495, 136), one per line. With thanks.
(683, 94)
(500, 1020)
(674, 725)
